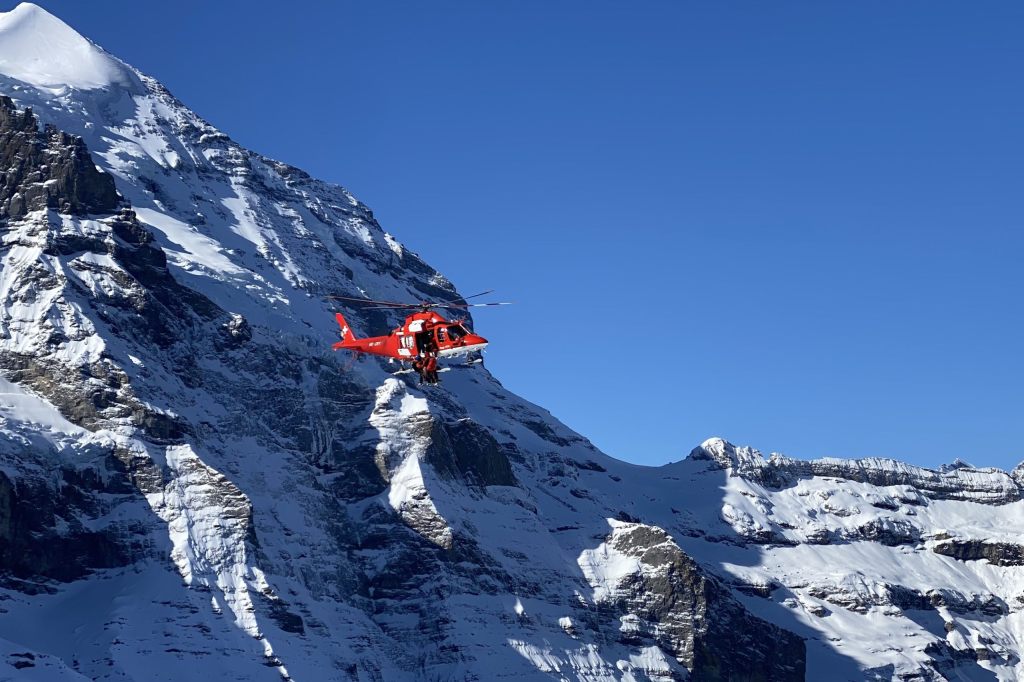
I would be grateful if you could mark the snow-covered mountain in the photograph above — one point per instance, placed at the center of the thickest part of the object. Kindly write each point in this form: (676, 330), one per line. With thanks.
(193, 487)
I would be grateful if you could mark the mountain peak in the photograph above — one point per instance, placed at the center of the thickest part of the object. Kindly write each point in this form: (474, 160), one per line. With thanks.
(954, 465)
(39, 49)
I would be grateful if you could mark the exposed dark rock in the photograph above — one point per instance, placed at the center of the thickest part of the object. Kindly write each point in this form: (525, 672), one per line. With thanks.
(851, 601)
(954, 663)
(968, 605)
(465, 450)
(909, 599)
(759, 590)
(47, 169)
(142, 257)
(691, 615)
(590, 465)
(997, 553)
(285, 619)
(889, 532)
(32, 548)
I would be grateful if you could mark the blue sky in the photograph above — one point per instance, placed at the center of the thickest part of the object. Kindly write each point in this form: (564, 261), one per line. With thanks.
(797, 225)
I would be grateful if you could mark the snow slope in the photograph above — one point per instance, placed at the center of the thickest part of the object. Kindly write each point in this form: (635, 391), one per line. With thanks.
(203, 489)
(40, 49)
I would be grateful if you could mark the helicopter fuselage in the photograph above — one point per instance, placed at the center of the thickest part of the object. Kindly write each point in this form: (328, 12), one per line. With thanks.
(421, 332)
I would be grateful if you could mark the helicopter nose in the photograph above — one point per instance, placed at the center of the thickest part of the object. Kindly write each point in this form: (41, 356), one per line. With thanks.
(474, 340)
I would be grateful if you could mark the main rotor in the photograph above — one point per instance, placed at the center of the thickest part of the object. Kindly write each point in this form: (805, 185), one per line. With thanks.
(422, 306)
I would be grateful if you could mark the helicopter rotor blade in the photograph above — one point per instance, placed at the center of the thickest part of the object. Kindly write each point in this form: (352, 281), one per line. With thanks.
(367, 300)
(423, 305)
(462, 306)
(392, 307)
(466, 298)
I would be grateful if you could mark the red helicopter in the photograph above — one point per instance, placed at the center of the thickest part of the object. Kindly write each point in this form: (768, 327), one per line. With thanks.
(422, 330)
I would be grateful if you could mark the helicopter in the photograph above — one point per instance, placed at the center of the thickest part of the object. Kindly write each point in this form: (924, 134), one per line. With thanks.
(422, 330)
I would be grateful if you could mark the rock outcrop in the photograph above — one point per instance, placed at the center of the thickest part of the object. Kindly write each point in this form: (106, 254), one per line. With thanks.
(660, 596)
(47, 169)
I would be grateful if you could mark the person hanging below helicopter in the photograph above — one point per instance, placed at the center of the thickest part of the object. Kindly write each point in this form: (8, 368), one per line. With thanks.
(430, 368)
(420, 365)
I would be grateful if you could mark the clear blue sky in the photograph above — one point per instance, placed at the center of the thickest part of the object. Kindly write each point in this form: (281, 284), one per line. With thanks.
(797, 225)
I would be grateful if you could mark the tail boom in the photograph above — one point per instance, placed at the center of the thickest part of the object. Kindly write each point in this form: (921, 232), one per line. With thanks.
(374, 345)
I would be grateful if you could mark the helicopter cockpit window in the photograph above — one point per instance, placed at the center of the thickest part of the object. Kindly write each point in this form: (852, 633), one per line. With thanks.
(442, 337)
(456, 332)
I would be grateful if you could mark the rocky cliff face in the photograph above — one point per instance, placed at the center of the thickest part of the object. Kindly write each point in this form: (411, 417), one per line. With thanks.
(192, 486)
(47, 169)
